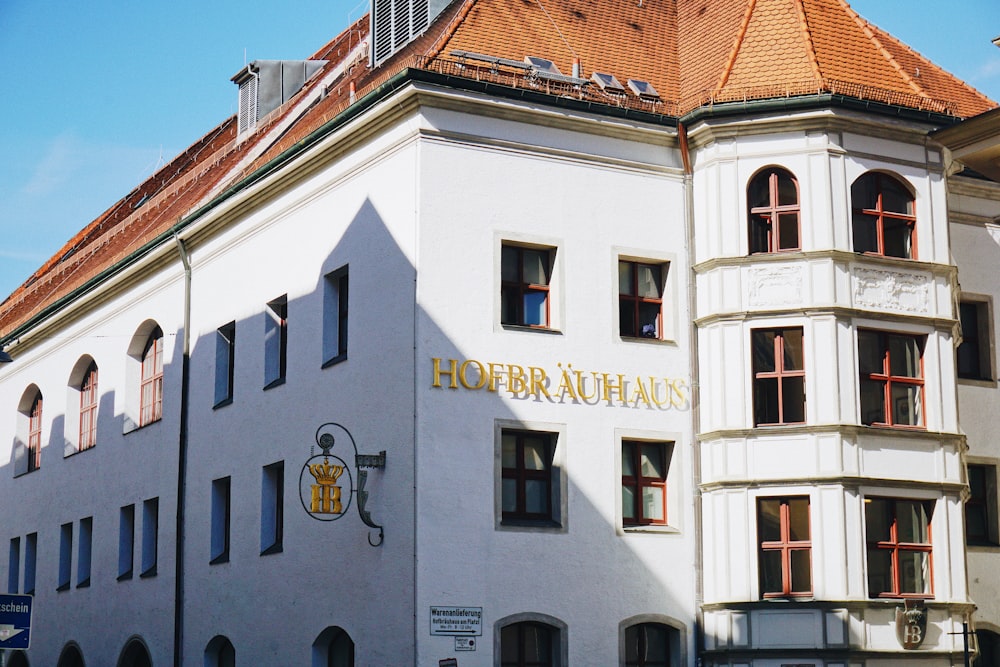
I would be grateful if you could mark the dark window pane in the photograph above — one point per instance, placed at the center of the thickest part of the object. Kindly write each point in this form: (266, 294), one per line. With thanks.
(792, 339)
(906, 405)
(865, 233)
(895, 197)
(877, 520)
(879, 571)
(872, 402)
(914, 572)
(769, 520)
(649, 319)
(788, 193)
(763, 351)
(760, 225)
(897, 237)
(870, 352)
(911, 519)
(904, 356)
(765, 401)
(798, 519)
(788, 231)
(770, 571)
(758, 194)
(793, 399)
(801, 571)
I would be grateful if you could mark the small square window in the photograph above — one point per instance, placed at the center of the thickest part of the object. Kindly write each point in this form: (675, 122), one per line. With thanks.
(644, 482)
(640, 298)
(525, 282)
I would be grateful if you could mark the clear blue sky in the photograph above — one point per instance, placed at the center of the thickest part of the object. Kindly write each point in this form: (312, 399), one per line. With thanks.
(97, 93)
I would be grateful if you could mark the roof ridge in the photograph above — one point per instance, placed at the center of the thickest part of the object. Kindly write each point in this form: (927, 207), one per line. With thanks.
(737, 44)
(804, 23)
(866, 27)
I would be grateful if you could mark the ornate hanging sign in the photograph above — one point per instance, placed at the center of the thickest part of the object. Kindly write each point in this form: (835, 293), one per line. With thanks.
(911, 624)
(326, 485)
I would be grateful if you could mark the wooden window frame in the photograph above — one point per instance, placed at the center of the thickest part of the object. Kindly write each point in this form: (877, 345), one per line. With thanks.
(34, 450)
(780, 374)
(629, 304)
(88, 408)
(514, 291)
(889, 380)
(785, 545)
(895, 547)
(881, 216)
(638, 482)
(151, 380)
(521, 475)
(765, 216)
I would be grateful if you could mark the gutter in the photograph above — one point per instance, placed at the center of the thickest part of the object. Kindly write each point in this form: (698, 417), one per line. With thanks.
(182, 447)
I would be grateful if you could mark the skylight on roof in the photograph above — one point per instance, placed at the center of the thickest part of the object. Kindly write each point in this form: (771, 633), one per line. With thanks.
(608, 83)
(542, 65)
(644, 89)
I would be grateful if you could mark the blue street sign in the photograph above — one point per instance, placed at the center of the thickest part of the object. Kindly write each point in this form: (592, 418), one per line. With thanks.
(15, 621)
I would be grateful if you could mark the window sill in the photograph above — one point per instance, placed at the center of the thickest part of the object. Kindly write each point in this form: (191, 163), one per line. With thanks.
(545, 526)
(982, 546)
(978, 382)
(84, 584)
(274, 383)
(651, 529)
(333, 361)
(138, 427)
(77, 451)
(530, 328)
(221, 558)
(26, 472)
(647, 341)
(62, 587)
(126, 576)
(273, 549)
(151, 572)
(223, 403)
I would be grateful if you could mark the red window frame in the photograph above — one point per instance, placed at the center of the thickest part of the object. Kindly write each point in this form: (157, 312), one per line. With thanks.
(88, 408)
(522, 475)
(151, 382)
(517, 289)
(631, 304)
(784, 545)
(783, 375)
(35, 434)
(891, 404)
(897, 548)
(763, 236)
(632, 451)
(880, 217)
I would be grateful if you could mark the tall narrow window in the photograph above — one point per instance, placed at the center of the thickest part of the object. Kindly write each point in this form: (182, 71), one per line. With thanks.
(529, 644)
(35, 434)
(151, 385)
(644, 482)
(84, 548)
(150, 536)
(649, 645)
(884, 221)
(524, 285)
(126, 541)
(773, 202)
(975, 359)
(220, 521)
(981, 507)
(225, 363)
(272, 508)
(891, 377)
(88, 408)
(779, 395)
(899, 547)
(335, 304)
(640, 299)
(527, 475)
(30, 561)
(275, 341)
(785, 548)
(14, 565)
(65, 556)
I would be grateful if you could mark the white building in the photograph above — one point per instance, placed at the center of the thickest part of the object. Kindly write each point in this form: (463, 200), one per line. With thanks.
(437, 351)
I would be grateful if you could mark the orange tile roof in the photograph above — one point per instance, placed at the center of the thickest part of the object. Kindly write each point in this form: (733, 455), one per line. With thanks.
(694, 52)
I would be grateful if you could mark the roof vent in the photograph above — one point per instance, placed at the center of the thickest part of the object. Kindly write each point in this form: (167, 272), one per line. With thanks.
(608, 83)
(266, 84)
(395, 22)
(644, 89)
(546, 69)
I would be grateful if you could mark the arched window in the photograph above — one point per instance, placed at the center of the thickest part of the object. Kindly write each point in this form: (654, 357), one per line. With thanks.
(333, 648)
(151, 385)
(648, 645)
(35, 433)
(531, 643)
(220, 652)
(135, 654)
(989, 649)
(773, 211)
(883, 216)
(70, 657)
(88, 408)
(18, 659)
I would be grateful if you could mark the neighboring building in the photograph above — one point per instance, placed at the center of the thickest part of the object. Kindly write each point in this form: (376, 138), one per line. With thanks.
(623, 337)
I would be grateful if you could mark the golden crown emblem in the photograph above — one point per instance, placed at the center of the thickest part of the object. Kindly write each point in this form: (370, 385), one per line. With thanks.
(325, 473)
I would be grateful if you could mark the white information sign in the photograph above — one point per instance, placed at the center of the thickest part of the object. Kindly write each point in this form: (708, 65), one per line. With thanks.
(465, 643)
(457, 621)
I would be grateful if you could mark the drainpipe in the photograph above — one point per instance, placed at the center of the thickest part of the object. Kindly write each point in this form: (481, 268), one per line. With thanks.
(699, 555)
(182, 459)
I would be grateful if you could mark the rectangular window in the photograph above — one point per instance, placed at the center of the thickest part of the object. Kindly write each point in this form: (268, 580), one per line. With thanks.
(785, 553)
(14, 565)
(644, 482)
(150, 536)
(335, 303)
(526, 460)
(891, 375)
(84, 547)
(126, 541)
(640, 299)
(975, 358)
(779, 394)
(981, 507)
(35, 434)
(275, 341)
(272, 508)
(899, 547)
(30, 560)
(225, 363)
(220, 521)
(65, 556)
(151, 380)
(525, 276)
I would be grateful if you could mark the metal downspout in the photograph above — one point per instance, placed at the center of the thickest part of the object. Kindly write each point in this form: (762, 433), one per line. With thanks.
(182, 459)
(692, 292)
